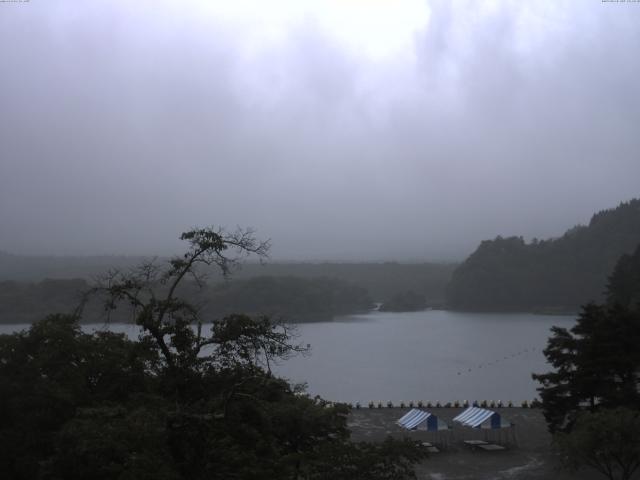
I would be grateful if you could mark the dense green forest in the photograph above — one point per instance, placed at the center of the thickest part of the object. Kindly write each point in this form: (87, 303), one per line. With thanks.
(290, 298)
(547, 275)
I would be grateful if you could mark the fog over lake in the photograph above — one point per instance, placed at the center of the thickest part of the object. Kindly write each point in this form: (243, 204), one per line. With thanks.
(432, 355)
(380, 175)
(342, 130)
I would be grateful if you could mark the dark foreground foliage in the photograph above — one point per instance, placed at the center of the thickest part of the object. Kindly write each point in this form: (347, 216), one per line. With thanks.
(597, 362)
(74, 405)
(179, 403)
(607, 440)
(591, 399)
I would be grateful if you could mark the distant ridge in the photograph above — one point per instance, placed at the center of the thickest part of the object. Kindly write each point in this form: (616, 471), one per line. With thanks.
(38, 267)
(381, 280)
(555, 275)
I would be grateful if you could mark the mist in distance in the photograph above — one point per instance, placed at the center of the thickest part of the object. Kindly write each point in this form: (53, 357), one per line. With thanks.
(341, 130)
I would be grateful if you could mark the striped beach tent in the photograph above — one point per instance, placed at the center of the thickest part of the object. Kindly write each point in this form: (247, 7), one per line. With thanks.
(492, 424)
(476, 417)
(420, 420)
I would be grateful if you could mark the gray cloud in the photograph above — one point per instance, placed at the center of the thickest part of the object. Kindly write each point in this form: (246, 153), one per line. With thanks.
(123, 125)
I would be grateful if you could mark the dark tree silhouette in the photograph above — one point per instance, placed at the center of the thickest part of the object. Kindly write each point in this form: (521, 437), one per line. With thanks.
(591, 399)
(179, 403)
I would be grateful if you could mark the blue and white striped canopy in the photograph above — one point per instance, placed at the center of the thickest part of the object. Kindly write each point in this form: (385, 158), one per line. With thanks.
(421, 420)
(476, 417)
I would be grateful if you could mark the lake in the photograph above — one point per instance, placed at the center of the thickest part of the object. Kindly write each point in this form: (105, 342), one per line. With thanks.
(432, 355)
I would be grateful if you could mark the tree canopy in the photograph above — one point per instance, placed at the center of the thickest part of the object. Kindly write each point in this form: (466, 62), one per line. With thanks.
(624, 283)
(607, 440)
(596, 364)
(178, 403)
(591, 399)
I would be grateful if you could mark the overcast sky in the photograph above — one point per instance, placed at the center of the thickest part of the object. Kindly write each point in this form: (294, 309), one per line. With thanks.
(341, 129)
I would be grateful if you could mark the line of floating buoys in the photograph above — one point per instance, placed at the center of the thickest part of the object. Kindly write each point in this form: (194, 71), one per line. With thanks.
(507, 357)
(455, 404)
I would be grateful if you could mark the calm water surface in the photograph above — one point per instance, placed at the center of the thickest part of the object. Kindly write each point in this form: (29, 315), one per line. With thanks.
(430, 356)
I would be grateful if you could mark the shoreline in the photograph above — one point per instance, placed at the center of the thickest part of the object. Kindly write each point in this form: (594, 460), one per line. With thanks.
(328, 318)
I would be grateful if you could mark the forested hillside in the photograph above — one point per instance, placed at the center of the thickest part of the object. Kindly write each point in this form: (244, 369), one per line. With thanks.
(547, 275)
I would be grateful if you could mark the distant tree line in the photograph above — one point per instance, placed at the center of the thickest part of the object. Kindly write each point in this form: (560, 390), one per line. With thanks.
(25, 302)
(550, 275)
(409, 301)
(381, 279)
(294, 299)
